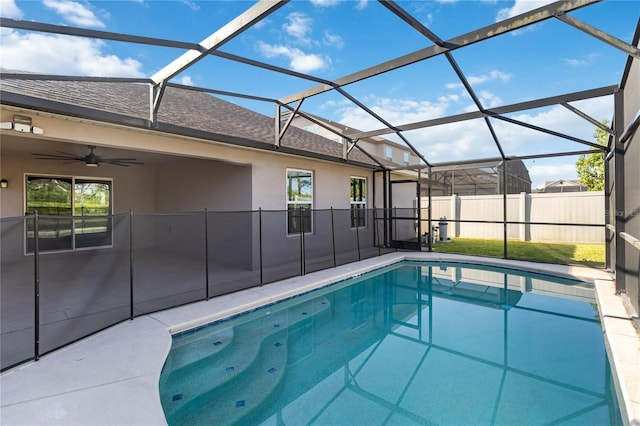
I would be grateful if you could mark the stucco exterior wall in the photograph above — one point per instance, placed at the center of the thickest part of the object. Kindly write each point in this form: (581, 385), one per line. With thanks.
(134, 187)
(188, 184)
(217, 186)
(183, 175)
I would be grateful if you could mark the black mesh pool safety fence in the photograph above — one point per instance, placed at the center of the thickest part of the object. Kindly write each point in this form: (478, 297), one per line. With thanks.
(64, 278)
(17, 291)
(84, 291)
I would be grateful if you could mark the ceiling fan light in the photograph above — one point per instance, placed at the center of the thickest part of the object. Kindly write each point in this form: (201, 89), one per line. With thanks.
(88, 164)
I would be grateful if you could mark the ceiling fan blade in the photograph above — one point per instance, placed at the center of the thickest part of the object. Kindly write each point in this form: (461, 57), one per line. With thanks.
(89, 159)
(119, 159)
(67, 153)
(54, 156)
(122, 163)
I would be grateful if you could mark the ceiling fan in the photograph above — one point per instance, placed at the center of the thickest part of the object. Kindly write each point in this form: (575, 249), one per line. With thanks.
(91, 159)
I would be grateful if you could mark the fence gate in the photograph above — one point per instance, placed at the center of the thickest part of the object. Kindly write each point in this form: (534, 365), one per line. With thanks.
(404, 215)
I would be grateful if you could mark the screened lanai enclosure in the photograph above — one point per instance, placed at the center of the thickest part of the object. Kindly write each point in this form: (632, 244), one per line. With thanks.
(189, 201)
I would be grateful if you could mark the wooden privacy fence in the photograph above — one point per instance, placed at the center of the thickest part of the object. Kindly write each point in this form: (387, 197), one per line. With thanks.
(569, 217)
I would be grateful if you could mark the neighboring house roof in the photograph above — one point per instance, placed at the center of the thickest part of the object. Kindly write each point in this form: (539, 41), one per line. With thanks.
(182, 111)
(375, 140)
(565, 185)
(563, 182)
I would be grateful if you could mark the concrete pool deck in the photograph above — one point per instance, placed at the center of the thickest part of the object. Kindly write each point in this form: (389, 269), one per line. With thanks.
(111, 378)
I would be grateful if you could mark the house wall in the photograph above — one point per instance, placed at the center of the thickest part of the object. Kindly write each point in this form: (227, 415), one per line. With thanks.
(268, 170)
(331, 182)
(134, 187)
(189, 184)
(190, 176)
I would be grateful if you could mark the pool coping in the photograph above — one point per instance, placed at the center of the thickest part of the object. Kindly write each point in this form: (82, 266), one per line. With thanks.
(112, 377)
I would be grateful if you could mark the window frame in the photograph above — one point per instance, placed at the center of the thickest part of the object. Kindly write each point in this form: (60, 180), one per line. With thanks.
(73, 226)
(357, 207)
(295, 204)
(388, 152)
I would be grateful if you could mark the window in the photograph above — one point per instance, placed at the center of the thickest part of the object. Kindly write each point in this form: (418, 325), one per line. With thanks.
(299, 201)
(73, 212)
(388, 153)
(358, 200)
(405, 158)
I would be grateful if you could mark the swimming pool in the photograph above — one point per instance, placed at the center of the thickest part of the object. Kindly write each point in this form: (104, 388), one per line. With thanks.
(412, 343)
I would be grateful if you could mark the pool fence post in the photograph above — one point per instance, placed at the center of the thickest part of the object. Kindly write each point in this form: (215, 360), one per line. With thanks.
(206, 252)
(429, 220)
(333, 239)
(36, 282)
(504, 208)
(394, 225)
(301, 241)
(131, 264)
(260, 243)
(358, 236)
(376, 235)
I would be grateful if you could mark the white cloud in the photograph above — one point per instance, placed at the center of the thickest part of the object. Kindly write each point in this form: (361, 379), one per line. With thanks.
(561, 120)
(186, 80)
(493, 75)
(520, 6)
(333, 40)
(361, 4)
(471, 139)
(191, 4)
(58, 54)
(298, 25)
(581, 62)
(489, 100)
(8, 9)
(481, 79)
(260, 24)
(74, 13)
(328, 105)
(395, 111)
(541, 173)
(325, 3)
(298, 60)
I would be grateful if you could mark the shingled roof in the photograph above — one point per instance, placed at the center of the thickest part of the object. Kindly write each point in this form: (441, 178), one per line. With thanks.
(182, 111)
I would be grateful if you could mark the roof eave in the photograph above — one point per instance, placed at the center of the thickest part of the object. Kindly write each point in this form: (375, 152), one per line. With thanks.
(90, 114)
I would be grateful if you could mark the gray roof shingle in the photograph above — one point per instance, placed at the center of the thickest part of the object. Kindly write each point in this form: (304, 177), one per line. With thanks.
(180, 108)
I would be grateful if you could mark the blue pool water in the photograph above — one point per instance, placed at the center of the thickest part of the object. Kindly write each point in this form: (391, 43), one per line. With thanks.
(410, 344)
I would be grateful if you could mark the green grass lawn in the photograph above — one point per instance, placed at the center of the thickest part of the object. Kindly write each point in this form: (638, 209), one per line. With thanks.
(566, 254)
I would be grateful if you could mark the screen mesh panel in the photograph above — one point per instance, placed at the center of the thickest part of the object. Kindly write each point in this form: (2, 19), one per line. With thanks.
(281, 252)
(17, 290)
(84, 291)
(169, 261)
(233, 245)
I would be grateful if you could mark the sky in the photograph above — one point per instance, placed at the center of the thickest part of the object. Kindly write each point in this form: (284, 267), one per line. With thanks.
(330, 39)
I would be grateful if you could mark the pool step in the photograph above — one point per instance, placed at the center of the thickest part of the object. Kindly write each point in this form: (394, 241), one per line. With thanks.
(180, 386)
(226, 365)
(233, 400)
(193, 347)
